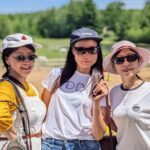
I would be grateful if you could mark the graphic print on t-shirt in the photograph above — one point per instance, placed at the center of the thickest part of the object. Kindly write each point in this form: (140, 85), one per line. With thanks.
(77, 82)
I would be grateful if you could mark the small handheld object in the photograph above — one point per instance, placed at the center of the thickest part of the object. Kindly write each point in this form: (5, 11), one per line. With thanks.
(99, 79)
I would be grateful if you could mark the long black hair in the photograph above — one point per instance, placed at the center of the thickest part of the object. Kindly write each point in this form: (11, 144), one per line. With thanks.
(7, 52)
(71, 65)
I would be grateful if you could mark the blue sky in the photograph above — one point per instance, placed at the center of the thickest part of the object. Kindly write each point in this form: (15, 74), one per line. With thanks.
(19, 6)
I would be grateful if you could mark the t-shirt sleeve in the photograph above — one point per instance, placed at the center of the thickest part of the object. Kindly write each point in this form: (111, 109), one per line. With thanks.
(49, 81)
(114, 96)
(6, 93)
(113, 93)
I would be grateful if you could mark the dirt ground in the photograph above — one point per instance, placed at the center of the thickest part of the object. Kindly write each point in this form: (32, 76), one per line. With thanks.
(39, 73)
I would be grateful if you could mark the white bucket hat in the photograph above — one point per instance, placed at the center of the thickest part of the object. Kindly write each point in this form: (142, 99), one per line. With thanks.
(17, 40)
(143, 53)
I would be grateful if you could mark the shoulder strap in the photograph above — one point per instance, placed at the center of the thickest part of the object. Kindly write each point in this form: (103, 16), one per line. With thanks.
(108, 107)
(109, 125)
(18, 96)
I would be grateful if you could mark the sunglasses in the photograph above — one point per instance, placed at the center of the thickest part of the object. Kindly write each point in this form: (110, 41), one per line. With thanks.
(129, 58)
(21, 58)
(83, 50)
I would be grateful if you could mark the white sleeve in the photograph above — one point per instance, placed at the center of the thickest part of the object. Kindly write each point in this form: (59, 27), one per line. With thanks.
(51, 78)
(113, 93)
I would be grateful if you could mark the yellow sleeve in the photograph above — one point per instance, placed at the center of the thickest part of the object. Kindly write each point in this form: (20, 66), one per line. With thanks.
(6, 108)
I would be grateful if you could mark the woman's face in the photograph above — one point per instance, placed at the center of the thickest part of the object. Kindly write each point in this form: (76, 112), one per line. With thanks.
(21, 63)
(85, 54)
(126, 63)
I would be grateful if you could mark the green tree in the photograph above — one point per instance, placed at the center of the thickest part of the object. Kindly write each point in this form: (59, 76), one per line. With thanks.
(146, 14)
(114, 18)
(74, 12)
(46, 24)
(89, 14)
(5, 25)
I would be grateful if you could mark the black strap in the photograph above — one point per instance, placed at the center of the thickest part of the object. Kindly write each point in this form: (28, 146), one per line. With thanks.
(108, 108)
(15, 81)
(109, 122)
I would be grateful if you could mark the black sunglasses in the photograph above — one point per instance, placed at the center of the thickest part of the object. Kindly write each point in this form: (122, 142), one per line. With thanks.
(129, 58)
(83, 50)
(21, 58)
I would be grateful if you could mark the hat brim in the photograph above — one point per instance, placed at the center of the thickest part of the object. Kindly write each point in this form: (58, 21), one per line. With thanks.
(87, 38)
(35, 45)
(144, 59)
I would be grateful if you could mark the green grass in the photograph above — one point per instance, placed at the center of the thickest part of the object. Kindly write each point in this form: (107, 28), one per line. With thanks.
(51, 48)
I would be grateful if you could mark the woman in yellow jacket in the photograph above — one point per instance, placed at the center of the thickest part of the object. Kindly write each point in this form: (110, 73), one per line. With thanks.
(20, 125)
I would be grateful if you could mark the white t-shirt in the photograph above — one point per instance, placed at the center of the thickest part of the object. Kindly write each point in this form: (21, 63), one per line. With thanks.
(131, 113)
(69, 113)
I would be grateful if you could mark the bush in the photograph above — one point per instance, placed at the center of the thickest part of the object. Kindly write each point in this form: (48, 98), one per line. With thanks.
(138, 35)
(110, 35)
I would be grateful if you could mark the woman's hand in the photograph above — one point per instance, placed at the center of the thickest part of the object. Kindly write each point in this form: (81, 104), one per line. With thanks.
(100, 91)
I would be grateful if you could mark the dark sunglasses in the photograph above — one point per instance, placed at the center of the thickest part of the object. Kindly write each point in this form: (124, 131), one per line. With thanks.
(21, 58)
(129, 58)
(83, 50)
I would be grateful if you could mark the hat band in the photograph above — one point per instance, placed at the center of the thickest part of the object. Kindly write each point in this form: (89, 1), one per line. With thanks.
(123, 47)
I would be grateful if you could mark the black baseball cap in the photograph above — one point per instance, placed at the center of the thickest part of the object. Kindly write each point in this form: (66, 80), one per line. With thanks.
(84, 33)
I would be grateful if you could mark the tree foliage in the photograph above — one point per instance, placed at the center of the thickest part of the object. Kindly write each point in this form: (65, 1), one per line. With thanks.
(57, 23)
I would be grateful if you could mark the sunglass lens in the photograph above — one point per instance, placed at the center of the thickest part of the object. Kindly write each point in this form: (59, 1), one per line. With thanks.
(79, 50)
(132, 58)
(92, 50)
(20, 58)
(32, 57)
(119, 60)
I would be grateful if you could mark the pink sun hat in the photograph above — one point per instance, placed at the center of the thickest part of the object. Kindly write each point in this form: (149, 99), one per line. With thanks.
(143, 53)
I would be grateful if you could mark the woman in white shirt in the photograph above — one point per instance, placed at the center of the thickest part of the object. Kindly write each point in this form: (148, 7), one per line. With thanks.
(130, 100)
(74, 118)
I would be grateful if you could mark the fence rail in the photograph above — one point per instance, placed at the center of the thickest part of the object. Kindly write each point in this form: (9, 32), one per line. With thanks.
(50, 62)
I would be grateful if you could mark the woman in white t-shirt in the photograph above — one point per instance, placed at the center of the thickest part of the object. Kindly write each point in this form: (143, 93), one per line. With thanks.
(130, 100)
(74, 118)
